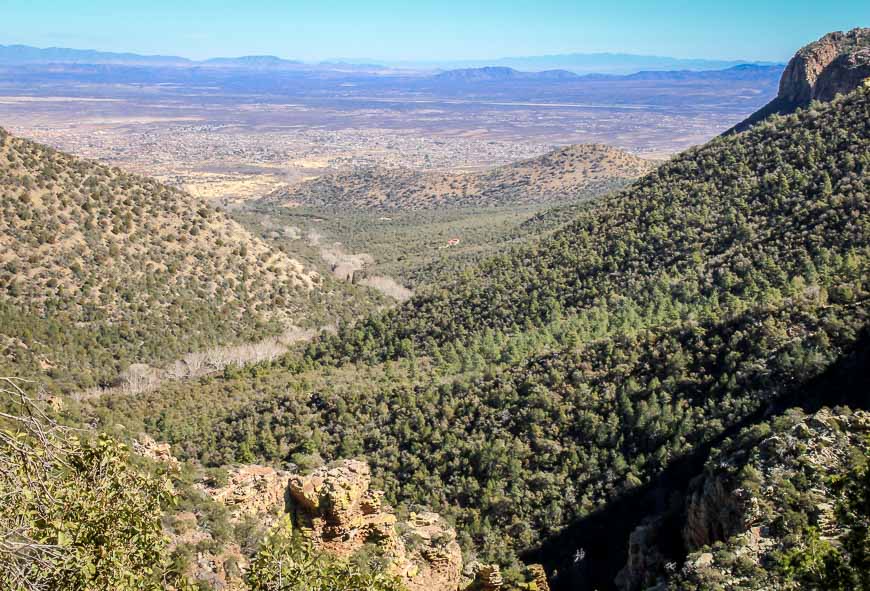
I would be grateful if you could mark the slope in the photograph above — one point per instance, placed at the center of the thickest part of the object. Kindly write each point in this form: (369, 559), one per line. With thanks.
(99, 268)
(568, 173)
(742, 221)
(543, 385)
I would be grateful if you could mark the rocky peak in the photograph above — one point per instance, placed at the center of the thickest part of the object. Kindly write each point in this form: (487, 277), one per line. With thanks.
(837, 63)
(822, 69)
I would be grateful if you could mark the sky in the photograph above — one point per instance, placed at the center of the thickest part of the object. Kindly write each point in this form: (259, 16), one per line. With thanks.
(419, 30)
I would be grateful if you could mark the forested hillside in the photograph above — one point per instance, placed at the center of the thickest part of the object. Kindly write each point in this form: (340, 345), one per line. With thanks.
(100, 269)
(741, 223)
(543, 384)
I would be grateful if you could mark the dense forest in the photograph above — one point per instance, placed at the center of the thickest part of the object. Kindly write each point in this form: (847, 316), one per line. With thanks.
(539, 385)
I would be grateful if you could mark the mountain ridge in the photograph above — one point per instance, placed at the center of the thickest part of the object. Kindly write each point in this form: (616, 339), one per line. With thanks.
(563, 174)
(100, 269)
(576, 63)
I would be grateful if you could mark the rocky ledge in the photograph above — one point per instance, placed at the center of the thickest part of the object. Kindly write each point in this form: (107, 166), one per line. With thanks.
(339, 511)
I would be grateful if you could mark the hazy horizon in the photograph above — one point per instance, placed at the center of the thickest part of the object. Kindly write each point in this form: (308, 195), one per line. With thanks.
(388, 61)
(387, 31)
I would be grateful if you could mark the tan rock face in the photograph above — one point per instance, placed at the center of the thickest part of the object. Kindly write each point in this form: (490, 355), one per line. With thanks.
(809, 74)
(147, 447)
(249, 491)
(257, 491)
(538, 577)
(838, 63)
(340, 513)
(487, 577)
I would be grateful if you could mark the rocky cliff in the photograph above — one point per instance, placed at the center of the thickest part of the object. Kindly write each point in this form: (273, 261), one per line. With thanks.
(761, 509)
(252, 491)
(766, 504)
(335, 508)
(837, 63)
(339, 511)
(341, 514)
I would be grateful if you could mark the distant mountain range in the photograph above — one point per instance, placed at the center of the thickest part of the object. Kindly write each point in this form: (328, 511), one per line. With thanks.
(742, 72)
(495, 73)
(551, 66)
(585, 63)
(25, 54)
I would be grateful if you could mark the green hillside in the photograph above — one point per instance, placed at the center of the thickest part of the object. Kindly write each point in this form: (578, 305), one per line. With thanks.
(100, 269)
(543, 384)
(747, 221)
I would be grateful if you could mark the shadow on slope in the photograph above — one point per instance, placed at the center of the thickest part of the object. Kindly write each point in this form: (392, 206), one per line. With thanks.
(587, 555)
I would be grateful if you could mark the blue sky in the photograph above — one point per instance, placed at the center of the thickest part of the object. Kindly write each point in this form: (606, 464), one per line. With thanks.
(424, 30)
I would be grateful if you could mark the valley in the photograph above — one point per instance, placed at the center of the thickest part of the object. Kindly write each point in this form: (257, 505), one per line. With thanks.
(275, 325)
(233, 138)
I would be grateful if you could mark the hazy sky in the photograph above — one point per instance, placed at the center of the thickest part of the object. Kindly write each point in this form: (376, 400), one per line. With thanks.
(421, 30)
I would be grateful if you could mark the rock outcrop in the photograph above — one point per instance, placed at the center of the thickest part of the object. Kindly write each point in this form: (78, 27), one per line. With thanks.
(837, 63)
(645, 558)
(733, 526)
(336, 508)
(735, 507)
(537, 578)
(147, 447)
(487, 577)
(252, 491)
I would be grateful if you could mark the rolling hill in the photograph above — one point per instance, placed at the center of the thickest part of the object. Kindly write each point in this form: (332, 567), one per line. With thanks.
(99, 269)
(569, 173)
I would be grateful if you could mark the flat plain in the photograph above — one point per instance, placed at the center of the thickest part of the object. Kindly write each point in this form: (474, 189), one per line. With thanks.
(230, 135)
